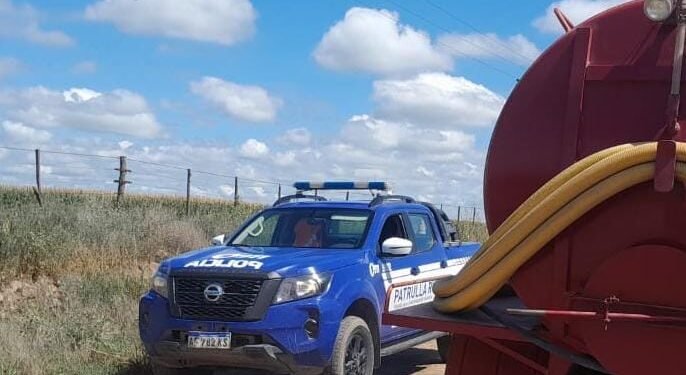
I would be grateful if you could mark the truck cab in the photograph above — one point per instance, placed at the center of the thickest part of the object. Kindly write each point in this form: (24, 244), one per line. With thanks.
(301, 286)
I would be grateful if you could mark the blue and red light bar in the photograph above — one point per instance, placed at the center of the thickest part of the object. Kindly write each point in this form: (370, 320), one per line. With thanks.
(341, 185)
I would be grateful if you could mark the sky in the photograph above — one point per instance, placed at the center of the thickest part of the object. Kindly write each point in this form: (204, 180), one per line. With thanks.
(401, 91)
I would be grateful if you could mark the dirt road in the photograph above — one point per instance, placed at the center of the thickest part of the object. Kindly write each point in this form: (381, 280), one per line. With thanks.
(420, 360)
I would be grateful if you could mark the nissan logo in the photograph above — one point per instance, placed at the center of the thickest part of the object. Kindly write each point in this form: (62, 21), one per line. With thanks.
(213, 292)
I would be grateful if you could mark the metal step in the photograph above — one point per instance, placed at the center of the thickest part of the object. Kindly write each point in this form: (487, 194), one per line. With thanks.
(408, 342)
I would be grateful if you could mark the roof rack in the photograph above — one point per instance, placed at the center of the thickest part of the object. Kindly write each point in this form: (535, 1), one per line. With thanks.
(290, 198)
(381, 199)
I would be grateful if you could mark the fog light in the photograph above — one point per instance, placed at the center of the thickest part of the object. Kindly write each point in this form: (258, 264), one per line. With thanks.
(658, 10)
(312, 328)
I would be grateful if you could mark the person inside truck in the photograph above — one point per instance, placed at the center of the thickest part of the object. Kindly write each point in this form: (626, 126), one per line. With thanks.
(308, 232)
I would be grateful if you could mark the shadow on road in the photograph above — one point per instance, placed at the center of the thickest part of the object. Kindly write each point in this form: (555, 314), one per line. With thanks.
(412, 361)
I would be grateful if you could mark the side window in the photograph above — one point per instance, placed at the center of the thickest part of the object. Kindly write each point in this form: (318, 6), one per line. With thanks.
(422, 232)
(393, 227)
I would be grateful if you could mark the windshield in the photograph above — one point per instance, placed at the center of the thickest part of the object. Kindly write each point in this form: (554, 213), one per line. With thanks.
(306, 228)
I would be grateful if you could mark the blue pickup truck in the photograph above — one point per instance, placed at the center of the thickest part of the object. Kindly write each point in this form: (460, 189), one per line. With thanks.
(300, 287)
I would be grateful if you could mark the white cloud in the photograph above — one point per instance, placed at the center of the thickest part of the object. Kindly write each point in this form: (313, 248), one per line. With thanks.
(517, 48)
(407, 162)
(242, 102)
(296, 137)
(125, 144)
(254, 149)
(118, 111)
(285, 159)
(259, 191)
(18, 133)
(425, 172)
(8, 66)
(373, 134)
(85, 67)
(225, 22)
(227, 190)
(437, 100)
(80, 95)
(576, 10)
(370, 40)
(21, 22)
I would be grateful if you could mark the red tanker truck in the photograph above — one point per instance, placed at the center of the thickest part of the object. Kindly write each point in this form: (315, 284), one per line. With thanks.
(585, 268)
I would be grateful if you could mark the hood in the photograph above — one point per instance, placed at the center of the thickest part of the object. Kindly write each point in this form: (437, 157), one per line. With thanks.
(285, 261)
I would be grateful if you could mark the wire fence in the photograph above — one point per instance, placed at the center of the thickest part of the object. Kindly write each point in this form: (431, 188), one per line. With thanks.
(122, 175)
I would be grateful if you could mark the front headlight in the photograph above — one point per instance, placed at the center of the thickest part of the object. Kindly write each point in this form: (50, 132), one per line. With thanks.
(160, 281)
(658, 10)
(295, 288)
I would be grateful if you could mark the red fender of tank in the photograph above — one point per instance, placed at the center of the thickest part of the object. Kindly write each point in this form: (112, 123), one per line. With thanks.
(604, 83)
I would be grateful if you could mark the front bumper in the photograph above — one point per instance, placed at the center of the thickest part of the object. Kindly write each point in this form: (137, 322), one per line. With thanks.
(262, 357)
(277, 343)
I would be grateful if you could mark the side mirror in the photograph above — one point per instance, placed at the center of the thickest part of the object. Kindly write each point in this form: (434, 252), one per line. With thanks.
(396, 246)
(218, 240)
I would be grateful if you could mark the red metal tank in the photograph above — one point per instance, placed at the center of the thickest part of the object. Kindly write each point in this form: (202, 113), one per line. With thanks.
(604, 83)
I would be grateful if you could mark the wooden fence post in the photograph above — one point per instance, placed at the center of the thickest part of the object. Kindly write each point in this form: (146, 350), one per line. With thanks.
(188, 192)
(121, 182)
(37, 189)
(38, 170)
(473, 216)
(235, 191)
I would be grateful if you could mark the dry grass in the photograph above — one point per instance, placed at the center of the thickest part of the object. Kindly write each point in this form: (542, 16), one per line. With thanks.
(86, 231)
(100, 256)
(472, 232)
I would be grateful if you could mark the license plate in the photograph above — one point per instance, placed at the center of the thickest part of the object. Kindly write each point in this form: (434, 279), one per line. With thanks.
(209, 340)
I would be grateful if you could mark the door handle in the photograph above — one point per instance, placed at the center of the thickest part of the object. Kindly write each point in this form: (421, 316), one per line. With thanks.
(415, 271)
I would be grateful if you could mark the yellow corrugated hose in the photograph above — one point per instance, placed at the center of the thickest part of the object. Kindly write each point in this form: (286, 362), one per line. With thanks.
(550, 210)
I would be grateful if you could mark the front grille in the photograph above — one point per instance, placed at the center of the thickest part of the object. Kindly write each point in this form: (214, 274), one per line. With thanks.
(239, 295)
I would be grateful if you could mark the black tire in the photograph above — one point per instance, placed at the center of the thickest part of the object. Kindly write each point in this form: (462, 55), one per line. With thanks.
(158, 369)
(443, 345)
(353, 352)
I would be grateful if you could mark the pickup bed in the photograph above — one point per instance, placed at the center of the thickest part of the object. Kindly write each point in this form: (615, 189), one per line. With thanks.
(300, 288)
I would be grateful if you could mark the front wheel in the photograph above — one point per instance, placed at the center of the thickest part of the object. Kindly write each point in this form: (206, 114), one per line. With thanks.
(353, 352)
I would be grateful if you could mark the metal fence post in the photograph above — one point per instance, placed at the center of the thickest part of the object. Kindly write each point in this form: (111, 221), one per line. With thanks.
(121, 182)
(235, 191)
(459, 208)
(279, 194)
(473, 216)
(188, 192)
